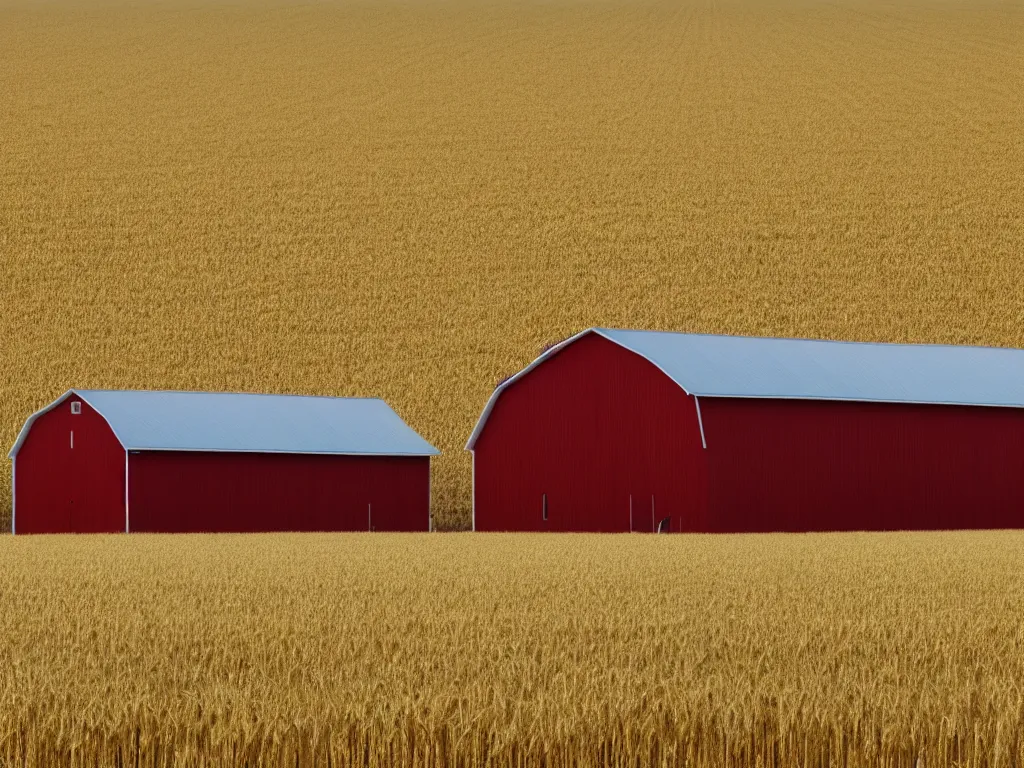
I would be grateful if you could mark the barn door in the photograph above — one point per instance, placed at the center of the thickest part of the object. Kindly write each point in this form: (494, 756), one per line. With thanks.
(642, 510)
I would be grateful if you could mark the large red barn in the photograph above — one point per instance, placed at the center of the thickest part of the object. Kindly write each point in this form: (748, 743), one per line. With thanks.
(111, 461)
(615, 430)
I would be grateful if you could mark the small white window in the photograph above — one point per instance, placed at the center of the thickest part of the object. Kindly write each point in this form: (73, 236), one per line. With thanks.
(76, 407)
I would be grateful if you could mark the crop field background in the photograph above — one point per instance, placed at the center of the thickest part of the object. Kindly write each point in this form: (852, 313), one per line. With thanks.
(408, 200)
(380, 650)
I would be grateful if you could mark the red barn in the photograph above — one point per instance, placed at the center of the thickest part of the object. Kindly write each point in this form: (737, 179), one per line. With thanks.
(615, 430)
(110, 461)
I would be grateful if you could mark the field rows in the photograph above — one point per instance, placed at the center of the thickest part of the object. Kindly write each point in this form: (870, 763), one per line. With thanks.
(475, 649)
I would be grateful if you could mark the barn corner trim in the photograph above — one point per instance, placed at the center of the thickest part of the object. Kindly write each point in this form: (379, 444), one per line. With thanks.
(505, 384)
(30, 421)
(475, 435)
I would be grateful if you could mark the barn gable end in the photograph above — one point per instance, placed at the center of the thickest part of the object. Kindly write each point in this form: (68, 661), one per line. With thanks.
(593, 438)
(69, 472)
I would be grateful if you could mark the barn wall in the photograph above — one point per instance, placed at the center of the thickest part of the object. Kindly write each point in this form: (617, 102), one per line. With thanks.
(589, 427)
(809, 465)
(179, 491)
(65, 489)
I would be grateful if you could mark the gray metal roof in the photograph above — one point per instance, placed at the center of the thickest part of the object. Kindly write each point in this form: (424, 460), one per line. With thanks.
(745, 366)
(218, 421)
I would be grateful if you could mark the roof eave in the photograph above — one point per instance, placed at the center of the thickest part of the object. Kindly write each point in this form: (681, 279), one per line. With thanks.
(882, 401)
(382, 454)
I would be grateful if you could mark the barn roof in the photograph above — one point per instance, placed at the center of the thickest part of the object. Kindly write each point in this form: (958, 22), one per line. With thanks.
(810, 369)
(220, 421)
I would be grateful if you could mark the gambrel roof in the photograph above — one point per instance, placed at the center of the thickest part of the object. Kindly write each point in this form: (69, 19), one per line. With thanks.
(809, 369)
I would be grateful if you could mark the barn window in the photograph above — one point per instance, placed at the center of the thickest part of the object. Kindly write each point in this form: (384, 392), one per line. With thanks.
(544, 506)
(76, 407)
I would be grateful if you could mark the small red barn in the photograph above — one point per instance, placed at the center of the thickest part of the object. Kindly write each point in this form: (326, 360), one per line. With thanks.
(616, 430)
(110, 461)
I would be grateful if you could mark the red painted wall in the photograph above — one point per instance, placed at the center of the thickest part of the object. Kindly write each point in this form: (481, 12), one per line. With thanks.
(801, 465)
(595, 423)
(172, 491)
(60, 489)
(590, 427)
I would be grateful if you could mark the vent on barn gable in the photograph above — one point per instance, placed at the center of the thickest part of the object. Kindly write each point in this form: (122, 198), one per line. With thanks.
(76, 407)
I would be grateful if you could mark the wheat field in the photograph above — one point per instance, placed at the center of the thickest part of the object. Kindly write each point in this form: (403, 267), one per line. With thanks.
(531, 650)
(408, 199)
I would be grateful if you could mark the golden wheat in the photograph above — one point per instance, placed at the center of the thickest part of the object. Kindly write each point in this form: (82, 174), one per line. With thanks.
(408, 200)
(530, 650)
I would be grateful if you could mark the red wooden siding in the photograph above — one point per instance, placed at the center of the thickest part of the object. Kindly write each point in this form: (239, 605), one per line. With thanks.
(590, 427)
(178, 491)
(802, 465)
(595, 423)
(65, 489)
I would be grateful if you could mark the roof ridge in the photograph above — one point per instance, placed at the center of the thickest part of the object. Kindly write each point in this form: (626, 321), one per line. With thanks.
(801, 338)
(208, 392)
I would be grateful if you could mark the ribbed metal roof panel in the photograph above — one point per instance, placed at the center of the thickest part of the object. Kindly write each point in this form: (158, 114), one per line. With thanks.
(744, 366)
(237, 422)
